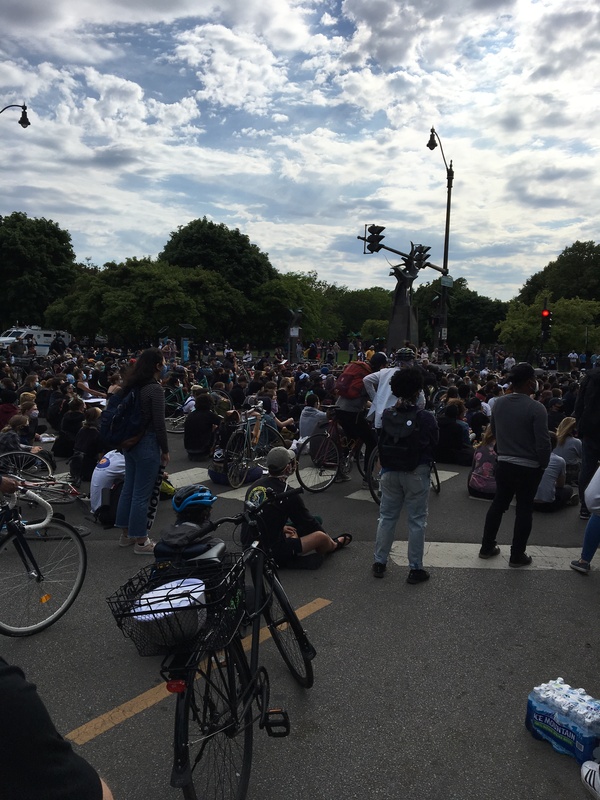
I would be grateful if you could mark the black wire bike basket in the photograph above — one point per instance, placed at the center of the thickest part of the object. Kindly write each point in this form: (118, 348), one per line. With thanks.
(171, 607)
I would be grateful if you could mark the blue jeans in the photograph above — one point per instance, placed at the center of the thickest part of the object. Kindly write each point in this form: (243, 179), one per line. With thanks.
(591, 538)
(398, 488)
(142, 464)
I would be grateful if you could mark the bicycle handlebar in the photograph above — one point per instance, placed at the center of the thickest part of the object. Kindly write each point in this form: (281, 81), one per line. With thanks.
(27, 494)
(250, 511)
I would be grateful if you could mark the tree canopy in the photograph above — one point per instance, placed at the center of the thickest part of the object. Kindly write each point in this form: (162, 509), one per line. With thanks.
(215, 279)
(575, 273)
(38, 266)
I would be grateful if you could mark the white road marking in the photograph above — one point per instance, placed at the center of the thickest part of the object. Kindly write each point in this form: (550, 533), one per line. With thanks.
(188, 476)
(466, 556)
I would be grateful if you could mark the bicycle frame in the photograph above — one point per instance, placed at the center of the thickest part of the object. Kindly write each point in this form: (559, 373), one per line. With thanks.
(10, 517)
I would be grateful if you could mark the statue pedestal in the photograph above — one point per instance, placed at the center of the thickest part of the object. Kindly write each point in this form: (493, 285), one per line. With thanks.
(403, 327)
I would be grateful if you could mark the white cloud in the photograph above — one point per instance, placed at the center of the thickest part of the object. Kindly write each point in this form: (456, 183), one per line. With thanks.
(300, 120)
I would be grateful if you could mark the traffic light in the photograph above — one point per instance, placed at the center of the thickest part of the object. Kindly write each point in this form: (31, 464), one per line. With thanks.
(546, 323)
(374, 238)
(420, 255)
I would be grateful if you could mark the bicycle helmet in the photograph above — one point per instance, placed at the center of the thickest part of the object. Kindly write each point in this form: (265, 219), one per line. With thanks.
(194, 496)
(405, 354)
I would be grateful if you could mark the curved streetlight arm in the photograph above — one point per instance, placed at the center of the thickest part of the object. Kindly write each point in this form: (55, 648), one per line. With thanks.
(24, 121)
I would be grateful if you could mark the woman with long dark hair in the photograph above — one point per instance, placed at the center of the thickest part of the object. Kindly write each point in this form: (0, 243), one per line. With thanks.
(143, 461)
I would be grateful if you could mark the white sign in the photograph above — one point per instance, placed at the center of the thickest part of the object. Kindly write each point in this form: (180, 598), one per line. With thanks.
(295, 332)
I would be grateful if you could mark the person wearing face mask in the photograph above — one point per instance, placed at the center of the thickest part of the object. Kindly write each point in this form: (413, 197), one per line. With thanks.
(288, 541)
(520, 426)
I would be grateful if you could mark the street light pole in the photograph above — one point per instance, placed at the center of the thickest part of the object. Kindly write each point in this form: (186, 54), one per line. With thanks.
(442, 327)
(24, 120)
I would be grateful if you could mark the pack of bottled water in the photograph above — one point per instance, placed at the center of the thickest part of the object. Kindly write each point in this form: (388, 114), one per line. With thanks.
(568, 718)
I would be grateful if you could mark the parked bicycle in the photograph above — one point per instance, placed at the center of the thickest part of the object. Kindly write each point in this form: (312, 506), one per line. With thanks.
(24, 464)
(221, 404)
(374, 472)
(42, 566)
(194, 610)
(249, 444)
(327, 455)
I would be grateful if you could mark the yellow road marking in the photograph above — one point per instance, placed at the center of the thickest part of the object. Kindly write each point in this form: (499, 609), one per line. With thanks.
(105, 722)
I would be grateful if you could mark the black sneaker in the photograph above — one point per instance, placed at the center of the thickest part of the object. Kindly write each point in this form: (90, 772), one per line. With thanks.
(584, 513)
(495, 551)
(520, 561)
(378, 569)
(417, 576)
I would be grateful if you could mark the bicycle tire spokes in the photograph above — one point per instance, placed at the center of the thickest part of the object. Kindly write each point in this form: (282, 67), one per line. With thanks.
(41, 577)
(219, 728)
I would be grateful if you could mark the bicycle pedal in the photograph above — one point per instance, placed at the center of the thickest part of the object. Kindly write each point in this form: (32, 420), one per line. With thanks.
(277, 722)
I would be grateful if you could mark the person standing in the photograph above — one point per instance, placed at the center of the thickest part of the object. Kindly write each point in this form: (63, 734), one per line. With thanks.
(144, 460)
(520, 427)
(401, 486)
(587, 414)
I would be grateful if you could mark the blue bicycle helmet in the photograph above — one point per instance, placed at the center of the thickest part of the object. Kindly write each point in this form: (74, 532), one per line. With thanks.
(193, 496)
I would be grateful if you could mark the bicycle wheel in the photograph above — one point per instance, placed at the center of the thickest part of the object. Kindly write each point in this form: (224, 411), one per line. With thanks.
(317, 462)
(220, 729)
(268, 439)
(175, 423)
(435, 478)
(55, 493)
(287, 632)
(33, 599)
(373, 471)
(237, 459)
(25, 465)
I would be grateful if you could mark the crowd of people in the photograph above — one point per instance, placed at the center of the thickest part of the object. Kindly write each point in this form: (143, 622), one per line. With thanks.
(528, 433)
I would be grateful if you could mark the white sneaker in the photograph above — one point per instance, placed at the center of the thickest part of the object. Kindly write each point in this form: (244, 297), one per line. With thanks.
(590, 777)
(125, 541)
(147, 548)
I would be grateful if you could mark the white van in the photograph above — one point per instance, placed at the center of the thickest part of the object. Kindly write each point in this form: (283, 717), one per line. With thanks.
(42, 338)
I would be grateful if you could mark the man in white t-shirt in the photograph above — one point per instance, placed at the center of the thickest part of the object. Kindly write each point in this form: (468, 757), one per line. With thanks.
(110, 467)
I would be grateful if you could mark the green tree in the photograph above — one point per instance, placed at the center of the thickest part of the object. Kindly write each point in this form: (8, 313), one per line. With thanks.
(358, 305)
(38, 266)
(469, 313)
(574, 325)
(575, 273)
(211, 246)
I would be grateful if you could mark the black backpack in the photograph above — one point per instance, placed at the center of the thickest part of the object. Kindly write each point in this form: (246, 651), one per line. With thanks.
(106, 514)
(121, 422)
(399, 445)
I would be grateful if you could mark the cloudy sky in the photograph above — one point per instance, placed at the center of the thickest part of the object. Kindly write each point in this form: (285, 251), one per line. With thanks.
(298, 121)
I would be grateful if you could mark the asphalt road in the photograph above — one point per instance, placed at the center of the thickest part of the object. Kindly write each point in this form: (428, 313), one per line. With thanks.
(420, 691)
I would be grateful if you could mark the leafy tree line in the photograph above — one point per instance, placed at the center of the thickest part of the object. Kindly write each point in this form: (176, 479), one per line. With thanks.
(215, 279)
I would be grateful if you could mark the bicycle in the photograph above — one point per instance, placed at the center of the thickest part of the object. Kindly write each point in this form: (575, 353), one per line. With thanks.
(42, 567)
(374, 471)
(198, 629)
(221, 404)
(25, 465)
(249, 444)
(325, 455)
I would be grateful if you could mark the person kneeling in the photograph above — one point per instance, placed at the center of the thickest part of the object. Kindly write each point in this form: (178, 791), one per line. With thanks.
(287, 542)
(552, 494)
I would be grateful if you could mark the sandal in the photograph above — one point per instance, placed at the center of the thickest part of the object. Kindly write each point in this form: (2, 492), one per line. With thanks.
(342, 541)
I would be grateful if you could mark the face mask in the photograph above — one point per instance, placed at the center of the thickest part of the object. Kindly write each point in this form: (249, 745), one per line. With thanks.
(34, 413)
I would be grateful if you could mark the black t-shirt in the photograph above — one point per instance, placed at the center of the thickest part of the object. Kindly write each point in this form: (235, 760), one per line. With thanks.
(198, 430)
(274, 517)
(36, 763)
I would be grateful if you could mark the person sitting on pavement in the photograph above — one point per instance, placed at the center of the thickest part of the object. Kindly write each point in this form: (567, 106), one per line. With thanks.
(288, 542)
(552, 494)
(569, 447)
(8, 406)
(200, 427)
(454, 446)
(10, 436)
(481, 482)
(311, 417)
(555, 413)
(69, 427)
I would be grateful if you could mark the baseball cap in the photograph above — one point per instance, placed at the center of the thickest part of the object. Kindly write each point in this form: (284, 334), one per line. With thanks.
(279, 457)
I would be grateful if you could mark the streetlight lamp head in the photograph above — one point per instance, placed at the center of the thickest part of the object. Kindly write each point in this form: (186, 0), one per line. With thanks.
(24, 121)
(432, 144)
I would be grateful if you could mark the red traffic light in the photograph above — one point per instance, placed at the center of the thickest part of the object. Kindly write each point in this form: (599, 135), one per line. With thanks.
(545, 312)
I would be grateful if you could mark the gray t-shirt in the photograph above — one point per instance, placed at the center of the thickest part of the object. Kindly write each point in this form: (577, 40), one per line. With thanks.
(520, 426)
